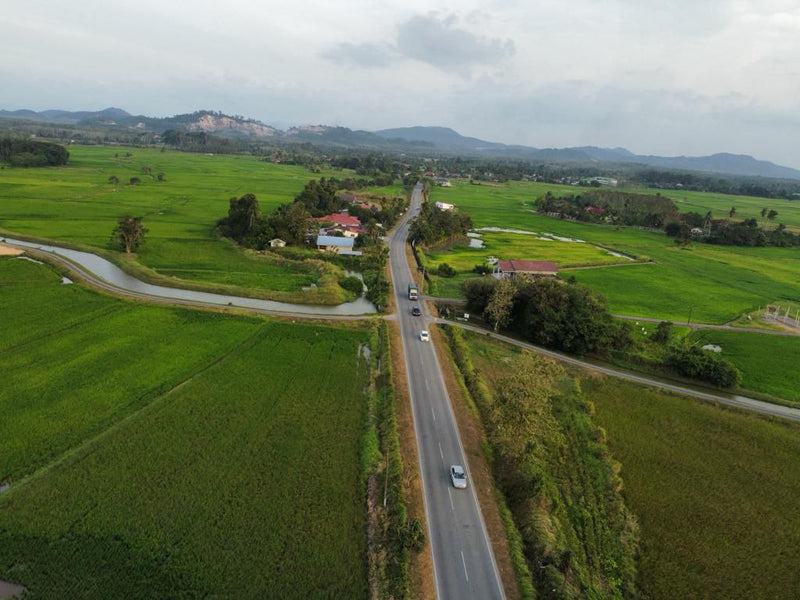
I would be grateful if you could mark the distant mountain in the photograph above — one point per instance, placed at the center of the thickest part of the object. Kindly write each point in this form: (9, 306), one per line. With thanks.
(447, 140)
(404, 139)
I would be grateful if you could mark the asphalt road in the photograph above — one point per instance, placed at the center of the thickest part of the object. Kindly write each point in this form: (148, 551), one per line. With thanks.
(463, 562)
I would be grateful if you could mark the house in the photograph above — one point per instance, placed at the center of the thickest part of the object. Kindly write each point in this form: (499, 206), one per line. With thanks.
(512, 268)
(349, 198)
(444, 206)
(443, 182)
(596, 211)
(341, 220)
(339, 245)
(696, 231)
(277, 243)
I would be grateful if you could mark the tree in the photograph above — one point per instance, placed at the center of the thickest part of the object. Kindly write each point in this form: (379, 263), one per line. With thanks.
(242, 215)
(113, 179)
(498, 311)
(732, 211)
(135, 181)
(663, 332)
(772, 214)
(763, 212)
(129, 232)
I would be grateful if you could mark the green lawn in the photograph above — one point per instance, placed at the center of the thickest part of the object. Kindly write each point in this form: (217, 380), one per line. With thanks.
(714, 491)
(77, 204)
(768, 362)
(176, 453)
(714, 283)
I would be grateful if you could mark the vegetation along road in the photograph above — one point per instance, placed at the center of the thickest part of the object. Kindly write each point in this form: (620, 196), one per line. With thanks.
(766, 408)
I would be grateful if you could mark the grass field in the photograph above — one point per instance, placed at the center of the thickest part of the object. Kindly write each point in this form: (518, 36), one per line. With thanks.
(714, 283)
(177, 453)
(78, 205)
(713, 490)
(768, 362)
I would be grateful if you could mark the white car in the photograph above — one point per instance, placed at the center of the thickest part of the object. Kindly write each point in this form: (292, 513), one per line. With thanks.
(458, 477)
(424, 336)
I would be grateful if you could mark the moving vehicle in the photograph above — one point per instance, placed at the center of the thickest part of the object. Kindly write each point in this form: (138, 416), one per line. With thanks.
(413, 291)
(458, 477)
(424, 336)
(416, 311)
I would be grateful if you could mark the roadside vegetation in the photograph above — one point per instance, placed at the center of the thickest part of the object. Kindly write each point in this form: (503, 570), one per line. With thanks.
(555, 473)
(179, 453)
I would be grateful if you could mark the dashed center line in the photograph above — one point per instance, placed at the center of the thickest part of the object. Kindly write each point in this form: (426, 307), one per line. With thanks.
(464, 562)
(440, 451)
(452, 506)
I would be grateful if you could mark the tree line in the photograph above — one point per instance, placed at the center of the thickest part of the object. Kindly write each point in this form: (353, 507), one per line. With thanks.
(623, 208)
(568, 316)
(20, 152)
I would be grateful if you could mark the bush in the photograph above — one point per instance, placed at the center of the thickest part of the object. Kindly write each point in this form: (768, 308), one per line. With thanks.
(704, 365)
(352, 284)
(445, 270)
(482, 269)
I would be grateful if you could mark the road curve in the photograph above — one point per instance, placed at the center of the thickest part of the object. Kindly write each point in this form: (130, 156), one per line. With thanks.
(767, 408)
(463, 561)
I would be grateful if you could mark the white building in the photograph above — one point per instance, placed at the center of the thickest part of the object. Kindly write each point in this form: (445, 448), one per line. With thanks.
(444, 206)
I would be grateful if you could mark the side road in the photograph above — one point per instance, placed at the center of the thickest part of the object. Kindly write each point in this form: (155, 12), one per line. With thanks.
(767, 408)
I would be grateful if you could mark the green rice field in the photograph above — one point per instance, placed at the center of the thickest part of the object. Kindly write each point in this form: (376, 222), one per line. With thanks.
(706, 283)
(157, 452)
(76, 204)
(714, 492)
(768, 362)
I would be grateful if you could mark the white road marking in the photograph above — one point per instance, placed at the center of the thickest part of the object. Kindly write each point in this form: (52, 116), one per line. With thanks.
(427, 387)
(464, 562)
(452, 506)
(433, 414)
(440, 451)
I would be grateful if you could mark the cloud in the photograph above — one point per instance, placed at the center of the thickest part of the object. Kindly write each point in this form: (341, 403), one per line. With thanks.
(438, 42)
(362, 55)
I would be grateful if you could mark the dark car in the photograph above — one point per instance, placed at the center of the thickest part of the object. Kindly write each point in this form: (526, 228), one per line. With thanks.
(416, 311)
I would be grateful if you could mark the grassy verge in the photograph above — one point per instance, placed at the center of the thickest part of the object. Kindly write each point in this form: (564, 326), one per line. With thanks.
(574, 536)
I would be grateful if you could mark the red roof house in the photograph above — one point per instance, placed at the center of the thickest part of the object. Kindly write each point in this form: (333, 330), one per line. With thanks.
(341, 220)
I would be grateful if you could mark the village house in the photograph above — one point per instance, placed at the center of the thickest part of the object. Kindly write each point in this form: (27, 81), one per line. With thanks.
(512, 268)
(339, 245)
(444, 205)
(277, 243)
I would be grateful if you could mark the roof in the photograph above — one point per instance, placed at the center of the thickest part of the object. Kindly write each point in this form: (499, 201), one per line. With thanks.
(527, 266)
(330, 240)
(341, 219)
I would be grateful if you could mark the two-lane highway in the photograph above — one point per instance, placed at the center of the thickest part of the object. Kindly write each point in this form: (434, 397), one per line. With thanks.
(463, 562)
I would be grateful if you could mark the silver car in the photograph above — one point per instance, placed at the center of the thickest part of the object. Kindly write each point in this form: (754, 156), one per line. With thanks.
(458, 477)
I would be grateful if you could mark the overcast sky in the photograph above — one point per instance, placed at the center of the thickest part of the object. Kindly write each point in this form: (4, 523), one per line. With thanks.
(679, 77)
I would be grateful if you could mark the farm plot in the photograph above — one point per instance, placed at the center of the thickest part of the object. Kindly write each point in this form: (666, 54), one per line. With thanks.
(713, 283)
(712, 491)
(77, 204)
(242, 481)
(768, 362)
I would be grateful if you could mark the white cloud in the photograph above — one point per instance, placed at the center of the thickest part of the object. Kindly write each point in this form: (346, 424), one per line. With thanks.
(677, 77)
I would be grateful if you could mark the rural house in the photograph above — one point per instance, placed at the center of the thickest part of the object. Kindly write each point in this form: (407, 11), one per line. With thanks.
(339, 245)
(444, 205)
(277, 243)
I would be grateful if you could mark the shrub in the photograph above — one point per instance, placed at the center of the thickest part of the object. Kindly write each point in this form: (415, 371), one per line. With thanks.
(702, 364)
(445, 270)
(352, 284)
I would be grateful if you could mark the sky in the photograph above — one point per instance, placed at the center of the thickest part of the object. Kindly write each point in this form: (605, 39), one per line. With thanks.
(683, 77)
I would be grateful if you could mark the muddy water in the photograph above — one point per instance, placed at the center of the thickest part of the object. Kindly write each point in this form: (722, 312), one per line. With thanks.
(110, 273)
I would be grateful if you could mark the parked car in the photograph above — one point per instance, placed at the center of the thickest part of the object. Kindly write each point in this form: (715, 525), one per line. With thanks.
(416, 311)
(424, 336)
(458, 477)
